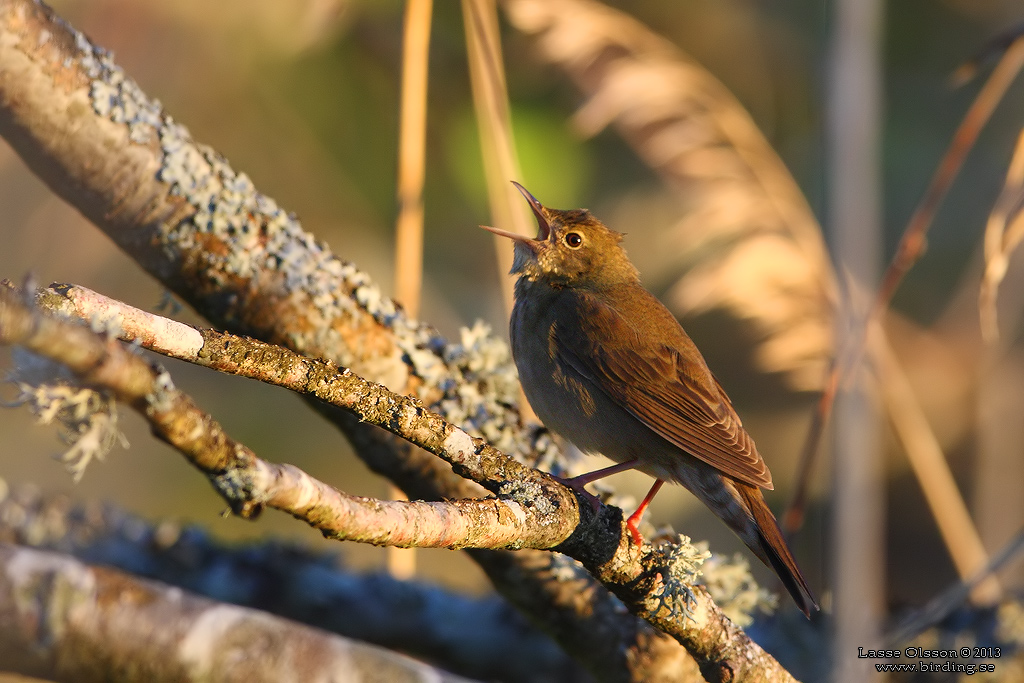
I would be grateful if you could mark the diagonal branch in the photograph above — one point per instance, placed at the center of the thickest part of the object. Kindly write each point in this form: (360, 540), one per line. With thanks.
(248, 483)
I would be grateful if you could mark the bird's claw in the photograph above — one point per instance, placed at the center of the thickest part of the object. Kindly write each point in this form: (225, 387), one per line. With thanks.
(579, 488)
(632, 524)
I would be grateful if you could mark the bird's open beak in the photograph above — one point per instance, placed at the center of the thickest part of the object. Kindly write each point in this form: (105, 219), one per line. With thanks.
(509, 234)
(543, 227)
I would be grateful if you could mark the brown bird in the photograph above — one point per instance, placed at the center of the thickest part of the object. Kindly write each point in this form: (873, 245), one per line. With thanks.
(607, 366)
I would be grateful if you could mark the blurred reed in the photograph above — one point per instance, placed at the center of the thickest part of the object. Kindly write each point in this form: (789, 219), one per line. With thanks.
(412, 144)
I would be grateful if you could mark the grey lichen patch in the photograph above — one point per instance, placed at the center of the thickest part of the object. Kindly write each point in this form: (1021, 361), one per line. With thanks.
(473, 382)
(679, 567)
(733, 587)
(567, 570)
(116, 96)
(236, 486)
(88, 418)
(530, 494)
(161, 399)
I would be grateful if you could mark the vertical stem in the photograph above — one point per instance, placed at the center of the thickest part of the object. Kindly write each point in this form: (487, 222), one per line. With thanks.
(490, 97)
(854, 92)
(412, 156)
(412, 145)
(931, 469)
(501, 164)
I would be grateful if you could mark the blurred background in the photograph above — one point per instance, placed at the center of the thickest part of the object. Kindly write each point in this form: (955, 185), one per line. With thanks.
(304, 98)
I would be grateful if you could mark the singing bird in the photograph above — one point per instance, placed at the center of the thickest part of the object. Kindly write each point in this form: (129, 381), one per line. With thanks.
(607, 366)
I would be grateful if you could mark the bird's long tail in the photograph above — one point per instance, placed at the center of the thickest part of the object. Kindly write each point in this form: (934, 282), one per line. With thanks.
(771, 548)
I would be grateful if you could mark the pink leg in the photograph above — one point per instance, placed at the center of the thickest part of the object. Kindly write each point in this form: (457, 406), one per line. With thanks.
(577, 483)
(634, 519)
(584, 479)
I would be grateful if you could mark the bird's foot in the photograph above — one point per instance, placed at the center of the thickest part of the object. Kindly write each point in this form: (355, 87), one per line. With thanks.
(632, 523)
(634, 519)
(578, 485)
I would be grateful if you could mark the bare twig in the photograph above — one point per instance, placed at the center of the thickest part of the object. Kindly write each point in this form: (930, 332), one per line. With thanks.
(90, 634)
(248, 483)
(1003, 233)
(943, 604)
(912, 243)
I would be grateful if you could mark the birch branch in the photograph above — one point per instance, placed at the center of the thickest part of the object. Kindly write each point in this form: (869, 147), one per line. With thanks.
(480, 637)
(248, 483)
(69, 622)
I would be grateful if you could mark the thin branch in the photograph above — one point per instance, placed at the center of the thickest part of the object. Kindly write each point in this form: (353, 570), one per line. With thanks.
(943, 604)
(64, 620)
(248, 483)
(405, 417)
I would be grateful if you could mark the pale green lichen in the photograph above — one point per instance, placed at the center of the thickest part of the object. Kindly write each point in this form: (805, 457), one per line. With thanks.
(1010, 623)
(733, 587)
(680, 567)
(88, 418)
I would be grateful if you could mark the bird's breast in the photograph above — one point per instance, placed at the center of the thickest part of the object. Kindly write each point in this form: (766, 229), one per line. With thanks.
(570, 404)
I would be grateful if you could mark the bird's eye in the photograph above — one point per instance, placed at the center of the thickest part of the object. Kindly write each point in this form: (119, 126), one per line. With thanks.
(573, 240)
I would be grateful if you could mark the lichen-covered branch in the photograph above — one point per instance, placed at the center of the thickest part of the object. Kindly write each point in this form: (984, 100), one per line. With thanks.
(480, 637)
(471, 457)
(181, 211)
(658, 581)
(63, 620)
(248, 483)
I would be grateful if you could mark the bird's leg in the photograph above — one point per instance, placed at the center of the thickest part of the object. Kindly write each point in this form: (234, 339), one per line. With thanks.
(577, 483)
(634, 519)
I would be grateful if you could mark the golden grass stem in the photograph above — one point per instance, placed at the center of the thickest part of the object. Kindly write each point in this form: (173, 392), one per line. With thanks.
(412, 156)
(931, 469)
(497, 141)
(490, 98)
(1003, 232)
(412, 144)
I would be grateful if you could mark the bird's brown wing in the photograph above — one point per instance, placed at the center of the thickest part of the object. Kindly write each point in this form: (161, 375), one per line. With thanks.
(652, 369)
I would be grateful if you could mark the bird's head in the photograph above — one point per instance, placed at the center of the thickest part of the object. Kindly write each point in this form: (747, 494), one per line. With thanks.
(572, 249)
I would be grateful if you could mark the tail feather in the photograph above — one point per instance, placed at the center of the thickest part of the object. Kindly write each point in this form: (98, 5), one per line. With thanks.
(773, 550)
